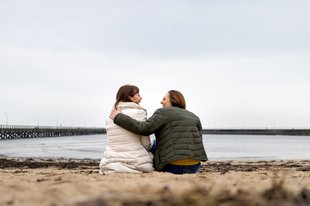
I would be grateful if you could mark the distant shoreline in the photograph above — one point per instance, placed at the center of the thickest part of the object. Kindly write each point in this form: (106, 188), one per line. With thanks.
(289, 132)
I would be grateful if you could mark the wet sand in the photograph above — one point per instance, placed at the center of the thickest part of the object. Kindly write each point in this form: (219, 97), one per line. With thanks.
(53, 182)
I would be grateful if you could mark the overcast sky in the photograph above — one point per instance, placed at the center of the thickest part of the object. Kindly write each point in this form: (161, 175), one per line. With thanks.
(239, 63)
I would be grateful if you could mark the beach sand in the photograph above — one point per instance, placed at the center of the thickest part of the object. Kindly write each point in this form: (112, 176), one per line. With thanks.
(55, 182)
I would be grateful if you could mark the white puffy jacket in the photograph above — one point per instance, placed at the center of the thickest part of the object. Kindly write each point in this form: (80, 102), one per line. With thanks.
(126, 151)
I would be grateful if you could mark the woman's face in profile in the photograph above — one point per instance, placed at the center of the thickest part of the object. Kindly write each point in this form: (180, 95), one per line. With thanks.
(166, 101)
(136, 98)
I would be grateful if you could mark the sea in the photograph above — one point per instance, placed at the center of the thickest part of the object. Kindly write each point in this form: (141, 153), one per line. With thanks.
(218, 147)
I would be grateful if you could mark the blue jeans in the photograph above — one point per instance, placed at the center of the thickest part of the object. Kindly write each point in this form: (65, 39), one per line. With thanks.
(154, 146)
(180, 169)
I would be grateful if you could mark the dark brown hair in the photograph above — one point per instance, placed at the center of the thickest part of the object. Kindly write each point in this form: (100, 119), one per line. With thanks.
(124, 92)
(177, 99)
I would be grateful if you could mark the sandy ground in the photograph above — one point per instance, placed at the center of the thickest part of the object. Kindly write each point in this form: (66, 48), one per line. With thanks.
(27, 181)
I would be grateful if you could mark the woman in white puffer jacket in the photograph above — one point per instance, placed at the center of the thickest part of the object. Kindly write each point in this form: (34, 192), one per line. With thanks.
(126, 151)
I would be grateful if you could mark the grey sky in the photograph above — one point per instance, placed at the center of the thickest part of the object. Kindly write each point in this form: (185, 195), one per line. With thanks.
(238, 63)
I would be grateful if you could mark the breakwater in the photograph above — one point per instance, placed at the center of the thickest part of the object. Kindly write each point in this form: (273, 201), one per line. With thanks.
(18, 132)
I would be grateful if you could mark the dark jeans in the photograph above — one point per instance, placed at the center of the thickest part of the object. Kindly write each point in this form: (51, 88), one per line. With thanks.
(154, 145)
(180, 169)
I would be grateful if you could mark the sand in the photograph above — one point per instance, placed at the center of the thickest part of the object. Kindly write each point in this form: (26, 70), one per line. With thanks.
(51, 182)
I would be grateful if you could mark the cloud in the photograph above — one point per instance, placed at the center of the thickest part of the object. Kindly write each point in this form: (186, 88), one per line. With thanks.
(238, 63)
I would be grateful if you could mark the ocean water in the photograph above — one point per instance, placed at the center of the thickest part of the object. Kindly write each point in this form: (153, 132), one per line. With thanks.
(218, 147)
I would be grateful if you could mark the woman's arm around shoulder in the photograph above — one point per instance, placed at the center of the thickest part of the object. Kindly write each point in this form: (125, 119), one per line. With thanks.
(143, 128)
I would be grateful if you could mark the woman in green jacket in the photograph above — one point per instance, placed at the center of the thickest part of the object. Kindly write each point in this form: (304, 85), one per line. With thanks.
(178, 134)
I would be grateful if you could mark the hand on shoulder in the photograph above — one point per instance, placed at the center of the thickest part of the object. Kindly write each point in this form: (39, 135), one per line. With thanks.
(114, 112)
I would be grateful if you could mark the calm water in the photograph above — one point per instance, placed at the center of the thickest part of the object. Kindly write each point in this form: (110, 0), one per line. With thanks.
(218, 147)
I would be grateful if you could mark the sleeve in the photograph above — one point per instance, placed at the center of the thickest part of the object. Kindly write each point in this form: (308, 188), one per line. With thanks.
(145, 128)
(199, 126)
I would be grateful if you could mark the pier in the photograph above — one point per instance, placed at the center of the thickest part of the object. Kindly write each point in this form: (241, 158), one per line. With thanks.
(18, 132)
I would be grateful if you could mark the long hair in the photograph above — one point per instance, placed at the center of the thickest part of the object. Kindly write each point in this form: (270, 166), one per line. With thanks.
(177, 99)
(124, 92)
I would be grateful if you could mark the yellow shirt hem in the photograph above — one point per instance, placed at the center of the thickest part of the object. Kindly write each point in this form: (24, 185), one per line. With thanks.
(185, 162)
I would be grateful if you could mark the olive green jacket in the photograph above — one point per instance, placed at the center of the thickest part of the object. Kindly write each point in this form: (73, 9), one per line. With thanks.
(178, 134)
